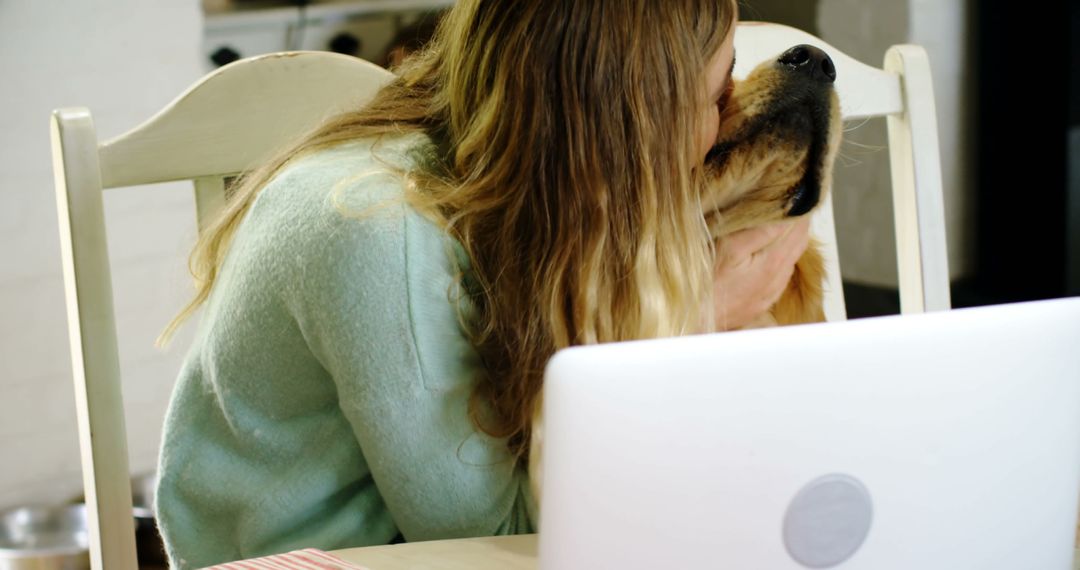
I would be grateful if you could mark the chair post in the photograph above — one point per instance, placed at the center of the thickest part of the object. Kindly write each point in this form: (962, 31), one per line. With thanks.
(92, 334)
(918, 203)
(209, 200)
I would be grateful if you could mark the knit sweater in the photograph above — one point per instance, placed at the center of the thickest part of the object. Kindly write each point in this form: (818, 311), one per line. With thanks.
(324, 400)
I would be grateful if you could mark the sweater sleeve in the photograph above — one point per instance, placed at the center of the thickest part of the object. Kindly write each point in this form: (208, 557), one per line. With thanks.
(375, 302)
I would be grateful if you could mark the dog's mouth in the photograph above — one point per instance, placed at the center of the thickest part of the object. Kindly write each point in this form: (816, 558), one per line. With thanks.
(778, 137)
(804, 196)
(817, 119)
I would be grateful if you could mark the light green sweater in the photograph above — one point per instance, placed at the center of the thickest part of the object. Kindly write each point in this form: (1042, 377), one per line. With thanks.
(324, 401)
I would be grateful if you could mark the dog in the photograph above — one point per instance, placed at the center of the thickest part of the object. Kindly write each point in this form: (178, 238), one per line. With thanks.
(780, 131)
(773, 158)
(779, 134)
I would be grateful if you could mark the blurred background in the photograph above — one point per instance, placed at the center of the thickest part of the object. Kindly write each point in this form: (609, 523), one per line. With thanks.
(1006, 83)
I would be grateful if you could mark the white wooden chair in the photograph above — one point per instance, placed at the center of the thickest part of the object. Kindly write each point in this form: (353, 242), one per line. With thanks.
(229, 120)
(901, 92)
(219, 127)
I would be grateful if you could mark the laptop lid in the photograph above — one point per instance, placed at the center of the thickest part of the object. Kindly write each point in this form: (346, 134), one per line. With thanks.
(946, 440)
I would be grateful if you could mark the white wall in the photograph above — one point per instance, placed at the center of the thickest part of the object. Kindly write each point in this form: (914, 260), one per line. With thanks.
(801, 14)
(123, 59)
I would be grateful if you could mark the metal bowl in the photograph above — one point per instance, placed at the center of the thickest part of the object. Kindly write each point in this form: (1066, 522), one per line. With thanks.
(44, 538)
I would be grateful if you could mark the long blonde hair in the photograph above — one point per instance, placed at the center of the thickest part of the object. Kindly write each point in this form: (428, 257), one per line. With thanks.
(564, 162)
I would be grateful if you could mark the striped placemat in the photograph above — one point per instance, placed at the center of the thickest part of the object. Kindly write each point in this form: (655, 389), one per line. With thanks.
(307, 559)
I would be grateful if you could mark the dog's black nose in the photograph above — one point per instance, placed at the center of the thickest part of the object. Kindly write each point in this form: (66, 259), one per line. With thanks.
(810, 61)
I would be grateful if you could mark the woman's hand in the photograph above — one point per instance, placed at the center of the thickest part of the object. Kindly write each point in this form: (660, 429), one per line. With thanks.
(753, 268)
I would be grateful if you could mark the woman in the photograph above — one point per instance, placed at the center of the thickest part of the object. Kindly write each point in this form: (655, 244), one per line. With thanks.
(380, 301)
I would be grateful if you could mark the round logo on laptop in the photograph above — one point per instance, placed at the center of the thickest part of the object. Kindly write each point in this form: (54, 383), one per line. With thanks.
(827, 521)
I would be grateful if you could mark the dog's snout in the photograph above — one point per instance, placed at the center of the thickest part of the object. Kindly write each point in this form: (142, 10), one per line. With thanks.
(810, 61)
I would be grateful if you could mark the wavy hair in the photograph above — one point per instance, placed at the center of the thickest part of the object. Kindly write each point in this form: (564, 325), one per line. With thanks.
(565, 163)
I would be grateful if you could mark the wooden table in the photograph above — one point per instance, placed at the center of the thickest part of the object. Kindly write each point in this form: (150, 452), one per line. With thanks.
(494, 553)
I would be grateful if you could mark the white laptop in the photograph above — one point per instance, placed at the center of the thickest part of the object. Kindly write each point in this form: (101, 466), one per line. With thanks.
(940, 441)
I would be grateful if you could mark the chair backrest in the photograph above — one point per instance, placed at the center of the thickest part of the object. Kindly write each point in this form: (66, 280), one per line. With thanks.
(901, 92)
(221, 126)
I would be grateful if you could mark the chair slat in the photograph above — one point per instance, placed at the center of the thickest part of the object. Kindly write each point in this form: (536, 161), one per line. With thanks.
(864, 91)
(209, 199)
(238, 115)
